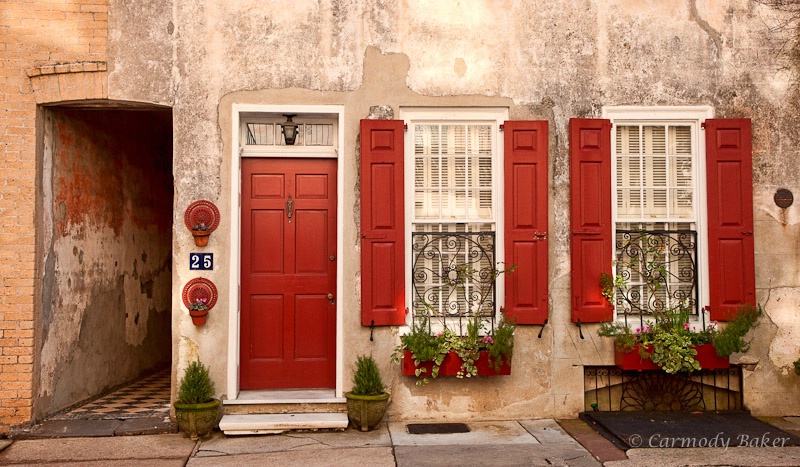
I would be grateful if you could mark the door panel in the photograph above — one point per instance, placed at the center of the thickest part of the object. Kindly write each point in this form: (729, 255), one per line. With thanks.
(288, 321)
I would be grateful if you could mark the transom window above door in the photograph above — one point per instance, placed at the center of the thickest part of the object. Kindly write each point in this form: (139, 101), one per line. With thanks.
(269, 132)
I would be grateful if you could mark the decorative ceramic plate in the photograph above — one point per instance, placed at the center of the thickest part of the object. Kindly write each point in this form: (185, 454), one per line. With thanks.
(202, 212)
(199, 288)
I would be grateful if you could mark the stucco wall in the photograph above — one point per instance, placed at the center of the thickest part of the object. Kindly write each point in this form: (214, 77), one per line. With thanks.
(543, 60)
(107, 279)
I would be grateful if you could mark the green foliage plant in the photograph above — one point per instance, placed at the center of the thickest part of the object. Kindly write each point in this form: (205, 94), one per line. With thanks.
(367, 378)
(731, 339)
(196, 386)
(501, 343)
(674, 353)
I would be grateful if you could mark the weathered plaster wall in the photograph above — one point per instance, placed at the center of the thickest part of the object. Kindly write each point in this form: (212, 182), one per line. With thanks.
(107, 283)
(544, 60)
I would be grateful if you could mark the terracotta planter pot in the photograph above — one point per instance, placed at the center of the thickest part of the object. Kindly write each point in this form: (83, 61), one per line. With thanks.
(366, 412)
(201, 237)
(197, 420)
(452, 364)
(198, 317)
(706, 356)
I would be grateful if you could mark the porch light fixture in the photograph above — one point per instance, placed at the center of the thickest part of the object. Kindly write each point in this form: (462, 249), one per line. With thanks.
(289, 129)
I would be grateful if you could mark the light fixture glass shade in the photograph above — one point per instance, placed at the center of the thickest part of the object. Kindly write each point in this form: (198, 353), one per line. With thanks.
(289, 129)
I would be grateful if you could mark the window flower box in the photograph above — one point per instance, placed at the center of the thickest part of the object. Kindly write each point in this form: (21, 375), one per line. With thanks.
(633, 360)
(451, 365)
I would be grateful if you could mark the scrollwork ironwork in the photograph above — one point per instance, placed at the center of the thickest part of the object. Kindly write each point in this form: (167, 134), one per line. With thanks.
(454, 275)
(659, 270)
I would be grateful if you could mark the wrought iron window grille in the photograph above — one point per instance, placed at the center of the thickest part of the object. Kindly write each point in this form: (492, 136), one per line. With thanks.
(453, 279)
(656, 271)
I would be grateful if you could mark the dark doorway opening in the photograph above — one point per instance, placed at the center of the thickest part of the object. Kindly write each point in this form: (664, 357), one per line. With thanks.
(104, 242)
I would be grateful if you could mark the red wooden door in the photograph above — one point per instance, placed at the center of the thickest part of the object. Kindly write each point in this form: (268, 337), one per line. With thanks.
(288, 316)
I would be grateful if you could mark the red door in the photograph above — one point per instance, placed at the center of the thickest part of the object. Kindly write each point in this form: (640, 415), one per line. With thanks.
(288, 316)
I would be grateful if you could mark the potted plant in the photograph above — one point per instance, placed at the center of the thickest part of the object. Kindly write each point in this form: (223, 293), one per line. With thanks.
(673, 345)
(366, 403)
(196, 409)
(198, 310)
(472, 344)
(201, 232)
(427, 356)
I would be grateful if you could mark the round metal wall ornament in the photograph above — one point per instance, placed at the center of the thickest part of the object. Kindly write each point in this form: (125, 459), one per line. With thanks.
(784, 198)
(202, 289)
(202, 212)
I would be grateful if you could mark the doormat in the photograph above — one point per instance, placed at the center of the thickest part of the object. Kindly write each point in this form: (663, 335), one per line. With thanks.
(687, 430)
(437, 428)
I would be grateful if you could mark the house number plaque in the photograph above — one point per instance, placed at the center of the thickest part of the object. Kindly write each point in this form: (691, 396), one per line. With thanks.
(201, 261)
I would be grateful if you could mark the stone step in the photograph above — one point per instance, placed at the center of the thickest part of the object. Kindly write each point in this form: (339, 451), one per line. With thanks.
(261, 424)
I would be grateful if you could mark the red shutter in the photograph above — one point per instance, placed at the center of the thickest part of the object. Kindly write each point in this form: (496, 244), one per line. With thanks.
(526, 220)
(731, 259)
(382, 240)
(592, 245)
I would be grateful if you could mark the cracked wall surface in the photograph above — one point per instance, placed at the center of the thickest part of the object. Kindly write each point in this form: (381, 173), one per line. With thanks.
(548, 60)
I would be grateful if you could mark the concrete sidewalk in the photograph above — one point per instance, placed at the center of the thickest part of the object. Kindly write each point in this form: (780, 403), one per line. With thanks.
(497, 443)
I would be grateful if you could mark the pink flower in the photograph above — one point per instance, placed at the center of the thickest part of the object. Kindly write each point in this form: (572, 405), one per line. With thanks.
(488, 340)
(685, 326)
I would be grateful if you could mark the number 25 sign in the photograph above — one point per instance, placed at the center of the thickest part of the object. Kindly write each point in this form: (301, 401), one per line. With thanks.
(201, 261)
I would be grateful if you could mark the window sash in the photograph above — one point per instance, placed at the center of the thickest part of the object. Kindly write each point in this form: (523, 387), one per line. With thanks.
(453, 172)
(656, 172)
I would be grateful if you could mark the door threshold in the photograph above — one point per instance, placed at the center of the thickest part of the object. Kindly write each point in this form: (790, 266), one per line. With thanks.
(286, 396)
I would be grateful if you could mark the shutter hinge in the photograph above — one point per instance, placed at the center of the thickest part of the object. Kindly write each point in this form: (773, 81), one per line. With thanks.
(405, 126)
(502, 127)
(703, 125)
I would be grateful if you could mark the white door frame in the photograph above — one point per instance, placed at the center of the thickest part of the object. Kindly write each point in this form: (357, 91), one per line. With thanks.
(235, 223)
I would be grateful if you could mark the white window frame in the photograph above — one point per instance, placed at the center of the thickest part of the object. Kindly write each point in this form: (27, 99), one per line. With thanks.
(495, 116)
(692, 115)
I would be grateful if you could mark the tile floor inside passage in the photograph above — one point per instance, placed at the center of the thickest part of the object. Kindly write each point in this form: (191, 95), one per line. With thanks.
(147, 397)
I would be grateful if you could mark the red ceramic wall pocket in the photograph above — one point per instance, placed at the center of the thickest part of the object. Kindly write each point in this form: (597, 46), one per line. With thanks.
(199, 296)
(201, 218)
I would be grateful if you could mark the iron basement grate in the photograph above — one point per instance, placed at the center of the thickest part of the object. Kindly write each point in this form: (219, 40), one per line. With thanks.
(437, 428)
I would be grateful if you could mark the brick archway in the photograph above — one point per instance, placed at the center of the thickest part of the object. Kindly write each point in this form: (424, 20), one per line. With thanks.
(69, 82)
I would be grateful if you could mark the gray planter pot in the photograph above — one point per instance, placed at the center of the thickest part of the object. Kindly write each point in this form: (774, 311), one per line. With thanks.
(197, 420)
(366, 412)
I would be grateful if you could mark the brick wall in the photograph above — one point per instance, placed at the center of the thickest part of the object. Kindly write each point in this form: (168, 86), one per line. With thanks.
(37, 38)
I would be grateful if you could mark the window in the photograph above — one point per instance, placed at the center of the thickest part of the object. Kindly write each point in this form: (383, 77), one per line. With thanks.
(261, 133)
(459, 194)
(666, 185)
(453, 225)
(656, 213)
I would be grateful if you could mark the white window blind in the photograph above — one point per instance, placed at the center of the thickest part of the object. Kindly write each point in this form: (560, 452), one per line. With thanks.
(655, 173)
(453, 173)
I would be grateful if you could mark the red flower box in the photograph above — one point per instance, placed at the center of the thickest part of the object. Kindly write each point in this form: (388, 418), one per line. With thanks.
(452, 364)
(706, 355)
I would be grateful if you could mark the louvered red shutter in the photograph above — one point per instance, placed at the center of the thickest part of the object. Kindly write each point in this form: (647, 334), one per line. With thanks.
(525, 174)
(382, 242)
(731, 258)
(592, 245)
